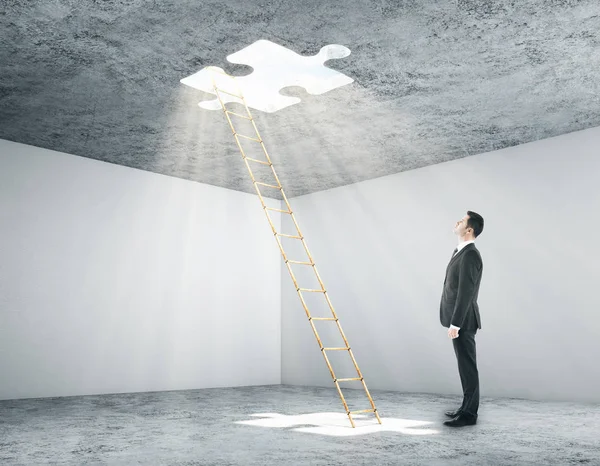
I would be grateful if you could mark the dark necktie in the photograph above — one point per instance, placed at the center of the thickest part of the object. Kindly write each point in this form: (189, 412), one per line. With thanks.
(454, 252)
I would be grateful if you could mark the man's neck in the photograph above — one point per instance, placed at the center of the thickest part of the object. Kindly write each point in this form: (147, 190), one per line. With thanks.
(464, 240)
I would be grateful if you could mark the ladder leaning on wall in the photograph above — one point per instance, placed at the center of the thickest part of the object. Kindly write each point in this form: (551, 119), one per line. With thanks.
(237, 94)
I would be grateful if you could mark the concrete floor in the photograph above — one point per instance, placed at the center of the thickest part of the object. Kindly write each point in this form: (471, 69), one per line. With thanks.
(206, 427)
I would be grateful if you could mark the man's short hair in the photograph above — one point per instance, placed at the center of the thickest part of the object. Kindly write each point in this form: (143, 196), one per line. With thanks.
(475, 222)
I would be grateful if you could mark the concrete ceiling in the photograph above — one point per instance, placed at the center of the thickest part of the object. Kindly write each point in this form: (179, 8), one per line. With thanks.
(433, 81)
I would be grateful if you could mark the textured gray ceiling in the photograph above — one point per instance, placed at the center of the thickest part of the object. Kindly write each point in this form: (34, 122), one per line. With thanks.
(434, 81)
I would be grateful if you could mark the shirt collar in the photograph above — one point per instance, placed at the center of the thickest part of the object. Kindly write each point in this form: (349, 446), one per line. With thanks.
(463, 244)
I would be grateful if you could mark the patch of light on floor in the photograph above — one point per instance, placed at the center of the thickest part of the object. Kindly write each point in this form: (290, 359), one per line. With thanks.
(338, 424)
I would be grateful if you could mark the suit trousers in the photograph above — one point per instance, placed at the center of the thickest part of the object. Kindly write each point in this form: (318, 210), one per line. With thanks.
(464, 348)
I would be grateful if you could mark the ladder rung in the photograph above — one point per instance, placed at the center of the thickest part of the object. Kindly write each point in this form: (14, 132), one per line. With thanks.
(288, 236)
(228, 93)
(278, 210)
(349, 379)
(363, 411)
(308, 290)
(336, 349)
(258, 161)
(238, 115)
(247, 137)
(268, 185)
(300, 262)
(322, 318)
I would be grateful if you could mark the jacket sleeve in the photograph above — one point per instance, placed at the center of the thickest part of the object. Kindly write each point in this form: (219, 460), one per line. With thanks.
(470, 269)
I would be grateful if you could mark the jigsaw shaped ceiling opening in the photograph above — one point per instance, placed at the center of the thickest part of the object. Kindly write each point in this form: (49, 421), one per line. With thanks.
(274, 68)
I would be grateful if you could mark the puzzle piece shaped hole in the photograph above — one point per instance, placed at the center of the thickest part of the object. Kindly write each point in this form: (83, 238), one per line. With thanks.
(274, 68)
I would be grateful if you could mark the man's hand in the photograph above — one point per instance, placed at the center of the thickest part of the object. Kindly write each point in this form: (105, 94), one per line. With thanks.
(452, 332)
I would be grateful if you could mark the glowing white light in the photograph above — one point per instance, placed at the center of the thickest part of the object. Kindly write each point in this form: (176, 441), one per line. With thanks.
(337, 424)
(274, 68)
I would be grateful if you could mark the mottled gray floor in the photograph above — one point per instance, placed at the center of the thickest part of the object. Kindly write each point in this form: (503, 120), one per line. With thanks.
(198, 427)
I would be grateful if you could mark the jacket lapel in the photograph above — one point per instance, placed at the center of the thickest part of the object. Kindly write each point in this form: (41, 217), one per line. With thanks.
(460, 252)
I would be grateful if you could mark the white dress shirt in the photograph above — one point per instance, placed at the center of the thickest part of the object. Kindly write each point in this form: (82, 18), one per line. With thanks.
(458, 248)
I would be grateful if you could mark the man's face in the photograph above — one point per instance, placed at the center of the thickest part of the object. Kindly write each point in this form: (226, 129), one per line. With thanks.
(460, 228)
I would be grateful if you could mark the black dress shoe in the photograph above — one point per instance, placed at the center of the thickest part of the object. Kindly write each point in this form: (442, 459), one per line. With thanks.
(461, 421)
(453, 413)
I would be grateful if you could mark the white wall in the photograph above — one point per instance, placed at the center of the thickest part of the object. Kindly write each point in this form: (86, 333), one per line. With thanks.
(119, 280)
(382, 247)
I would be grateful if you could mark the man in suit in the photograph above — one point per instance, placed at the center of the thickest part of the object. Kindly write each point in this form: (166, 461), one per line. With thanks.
(459, 312)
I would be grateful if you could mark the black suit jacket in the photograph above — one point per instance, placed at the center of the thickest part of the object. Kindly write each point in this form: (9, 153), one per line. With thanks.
(461, 287)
